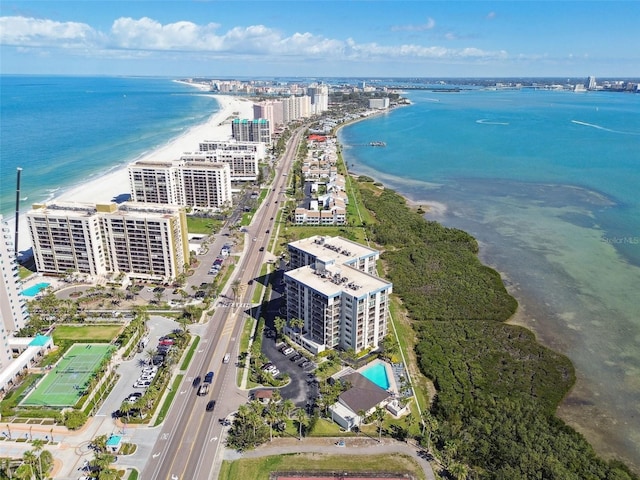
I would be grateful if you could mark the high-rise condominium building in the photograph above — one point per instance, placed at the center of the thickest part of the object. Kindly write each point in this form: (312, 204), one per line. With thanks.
(319, 95)
(332, 289)
(146, 241)
(193, 184)
(242, 157)
(244, 130)
(13, 305)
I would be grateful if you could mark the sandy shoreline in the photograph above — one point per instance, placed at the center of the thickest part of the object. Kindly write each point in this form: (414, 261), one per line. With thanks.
(115, 183)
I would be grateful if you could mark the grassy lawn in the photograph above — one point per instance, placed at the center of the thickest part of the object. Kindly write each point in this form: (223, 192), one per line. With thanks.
(167, 401)
(257, 293)
(23, 272)
(406, 335)
(192, 349)
(245, 336)
(201, 225)
(86, 333)
(260, 468)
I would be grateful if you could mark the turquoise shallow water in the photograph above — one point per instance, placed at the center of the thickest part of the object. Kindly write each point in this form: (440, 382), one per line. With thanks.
(63, 130)
(548, 183)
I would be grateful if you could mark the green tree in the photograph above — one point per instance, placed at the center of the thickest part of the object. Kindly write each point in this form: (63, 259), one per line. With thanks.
(38, 446)
(279, 324)
(301, 417)
(236, 288)
(74, 419)
(379, 415)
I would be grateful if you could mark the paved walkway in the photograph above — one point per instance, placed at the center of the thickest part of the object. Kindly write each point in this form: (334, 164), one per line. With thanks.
(353, 446)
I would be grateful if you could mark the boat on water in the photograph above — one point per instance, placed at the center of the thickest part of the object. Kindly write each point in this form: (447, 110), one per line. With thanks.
(377, 144)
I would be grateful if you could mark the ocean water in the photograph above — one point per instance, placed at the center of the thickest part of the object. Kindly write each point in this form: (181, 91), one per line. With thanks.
(66, 130)
(549, 183)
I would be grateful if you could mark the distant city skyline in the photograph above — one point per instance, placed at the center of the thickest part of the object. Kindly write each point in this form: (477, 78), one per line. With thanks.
(321, 38)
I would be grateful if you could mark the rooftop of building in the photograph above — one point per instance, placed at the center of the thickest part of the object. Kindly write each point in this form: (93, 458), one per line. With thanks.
(363, 394)
(83, 209)
(332, 280)
(339, 249)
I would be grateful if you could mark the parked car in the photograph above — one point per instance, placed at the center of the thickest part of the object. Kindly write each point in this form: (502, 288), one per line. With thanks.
(133, 398)
(142, 384)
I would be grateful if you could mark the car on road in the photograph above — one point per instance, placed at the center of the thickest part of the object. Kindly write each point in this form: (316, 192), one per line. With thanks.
(267, 231)
(226, 358)
(211, 405)
(203, 389)
(208, 378)
(261, 249)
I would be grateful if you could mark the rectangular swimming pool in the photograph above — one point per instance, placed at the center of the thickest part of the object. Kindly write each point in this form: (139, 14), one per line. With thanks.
(377, 374)
(33, 290)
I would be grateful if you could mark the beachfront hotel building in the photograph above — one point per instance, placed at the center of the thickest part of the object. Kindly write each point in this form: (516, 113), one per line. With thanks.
(189, 183)
(145, 241)
(332, 288)
(257, 130)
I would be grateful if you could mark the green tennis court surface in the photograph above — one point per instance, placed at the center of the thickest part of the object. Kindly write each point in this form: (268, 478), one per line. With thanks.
(65, 384)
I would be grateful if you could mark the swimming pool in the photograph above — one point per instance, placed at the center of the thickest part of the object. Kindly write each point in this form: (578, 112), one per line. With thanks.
(33, 290)
(377, 374)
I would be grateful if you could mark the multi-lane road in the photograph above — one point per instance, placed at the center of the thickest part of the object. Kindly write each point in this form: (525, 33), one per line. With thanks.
(191, 437)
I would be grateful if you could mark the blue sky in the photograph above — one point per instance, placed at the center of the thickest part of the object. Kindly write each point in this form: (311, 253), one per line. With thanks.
(321, 38)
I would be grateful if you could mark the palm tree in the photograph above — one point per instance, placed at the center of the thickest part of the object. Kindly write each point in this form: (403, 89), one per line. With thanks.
(379, 416)
(297, 324)
(429, 426)
(149, 353)
(361, 415)
(459, 471)
(301, 416)
(235, 288)
(38, 445)
(108, 474)
(411, 421)
(126, 408)
(287, 407)
(24, 472)
(102, 461)
(279, 324)
(271, 416)
(100, 443)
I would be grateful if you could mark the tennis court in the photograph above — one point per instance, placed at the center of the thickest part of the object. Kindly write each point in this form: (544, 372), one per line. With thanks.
(65, 384)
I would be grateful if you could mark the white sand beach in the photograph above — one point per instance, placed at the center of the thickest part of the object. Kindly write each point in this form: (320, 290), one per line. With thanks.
(105, 188)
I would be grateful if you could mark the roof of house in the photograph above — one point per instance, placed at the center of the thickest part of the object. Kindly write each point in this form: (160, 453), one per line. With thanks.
(363, 394)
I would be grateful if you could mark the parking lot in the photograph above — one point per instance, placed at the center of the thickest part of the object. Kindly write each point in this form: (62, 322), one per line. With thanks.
(302, 389)
(131, 371)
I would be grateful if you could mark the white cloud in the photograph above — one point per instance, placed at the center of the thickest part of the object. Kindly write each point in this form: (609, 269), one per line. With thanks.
(491, 15)
(431, 23)
(131, 38)
(34, 32)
